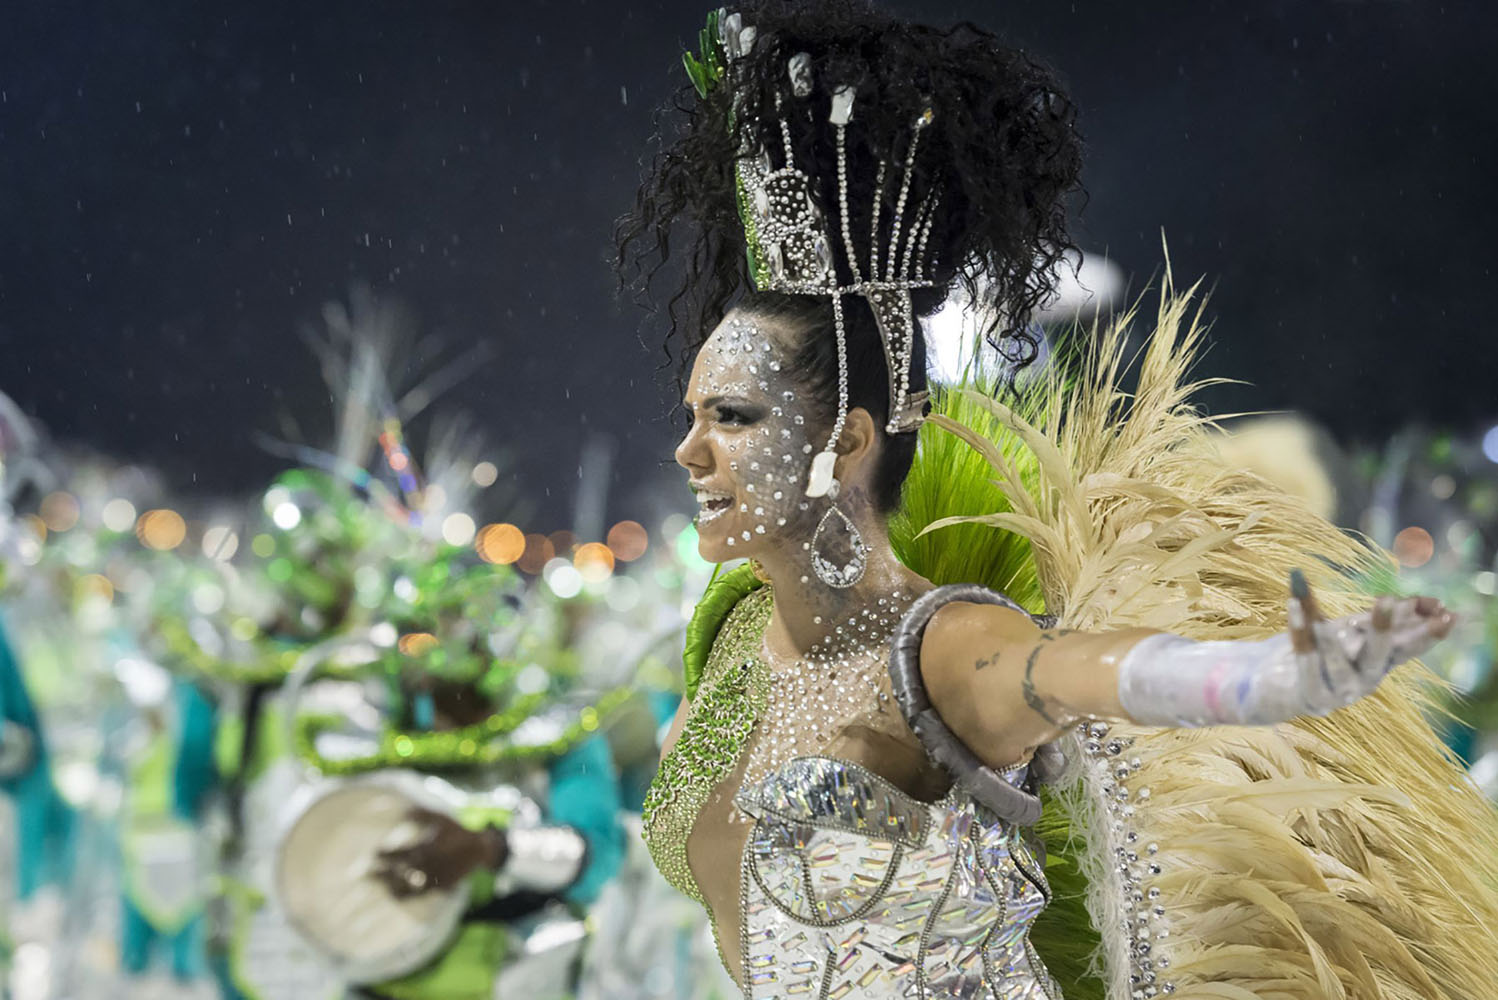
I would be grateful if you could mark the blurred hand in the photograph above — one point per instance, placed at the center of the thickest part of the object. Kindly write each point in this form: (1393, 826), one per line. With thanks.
(442, 855)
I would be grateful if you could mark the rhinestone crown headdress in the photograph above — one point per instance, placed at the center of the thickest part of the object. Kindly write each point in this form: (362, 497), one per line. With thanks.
(790, 248)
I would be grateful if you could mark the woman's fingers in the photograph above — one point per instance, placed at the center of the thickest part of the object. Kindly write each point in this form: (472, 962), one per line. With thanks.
(1300, 613)
(1375, 658)
(1338, 670)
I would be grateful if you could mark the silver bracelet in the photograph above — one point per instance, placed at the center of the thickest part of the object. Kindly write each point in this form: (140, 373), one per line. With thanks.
(546, 859)
(983, 783)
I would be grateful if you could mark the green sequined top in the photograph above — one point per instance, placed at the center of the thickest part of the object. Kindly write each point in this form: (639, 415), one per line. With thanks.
(730, 694)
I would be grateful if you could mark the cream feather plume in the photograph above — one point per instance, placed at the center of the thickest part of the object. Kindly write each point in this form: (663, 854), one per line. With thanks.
(1345, 857)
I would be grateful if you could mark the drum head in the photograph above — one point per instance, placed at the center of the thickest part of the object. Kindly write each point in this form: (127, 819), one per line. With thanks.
(326, 887)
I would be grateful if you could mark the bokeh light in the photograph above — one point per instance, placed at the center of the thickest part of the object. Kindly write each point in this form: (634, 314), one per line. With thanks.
(37, 525)
(95, 585)
(161, 529)
(208, 598)
(563, 542)
(263, 546)
(500, 543)
(484, 474)
(628, 540)
(286, 515)
(538, 552)
(118, 514)
(595, 561)
(59, 510)
(220, 542)
(1413, 546)
(417, 643)
(1490, 444)
(563, 578)
(457, 528)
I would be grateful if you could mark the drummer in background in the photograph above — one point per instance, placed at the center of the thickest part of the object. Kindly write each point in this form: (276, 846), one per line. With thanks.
(531, 865)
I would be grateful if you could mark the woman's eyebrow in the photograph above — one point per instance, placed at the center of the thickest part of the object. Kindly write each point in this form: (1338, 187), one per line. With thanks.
(713, 401)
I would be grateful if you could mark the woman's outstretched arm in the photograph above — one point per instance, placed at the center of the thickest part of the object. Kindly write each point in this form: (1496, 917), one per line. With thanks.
(1004, 686)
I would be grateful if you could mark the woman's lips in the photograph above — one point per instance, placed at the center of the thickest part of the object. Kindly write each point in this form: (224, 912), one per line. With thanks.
(712, 505)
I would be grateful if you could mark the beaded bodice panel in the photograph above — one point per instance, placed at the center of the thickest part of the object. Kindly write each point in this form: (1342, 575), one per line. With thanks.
(851, 889)
(846, 884)
(732, 694)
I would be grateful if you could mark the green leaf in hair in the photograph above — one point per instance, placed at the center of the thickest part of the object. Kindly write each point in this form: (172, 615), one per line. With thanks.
(706, 68)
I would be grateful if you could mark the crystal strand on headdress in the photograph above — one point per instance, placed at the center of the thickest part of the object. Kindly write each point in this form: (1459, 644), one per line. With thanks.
(821, 480)
(920, 229)
(897, 222)
(785, 136)
(842, 113)
(925, 266)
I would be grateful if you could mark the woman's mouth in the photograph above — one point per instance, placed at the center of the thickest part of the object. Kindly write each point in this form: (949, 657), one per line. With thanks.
(712, 505)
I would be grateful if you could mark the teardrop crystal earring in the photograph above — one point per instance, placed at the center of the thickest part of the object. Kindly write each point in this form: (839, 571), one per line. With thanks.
(832, 571)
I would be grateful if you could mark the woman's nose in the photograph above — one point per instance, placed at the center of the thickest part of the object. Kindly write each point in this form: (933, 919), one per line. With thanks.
(691, 453)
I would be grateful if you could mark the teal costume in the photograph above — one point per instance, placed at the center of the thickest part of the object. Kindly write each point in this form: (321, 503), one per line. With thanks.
(44, 822)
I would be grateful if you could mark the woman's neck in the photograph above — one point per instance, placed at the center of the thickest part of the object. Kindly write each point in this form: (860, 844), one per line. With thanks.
(807, 611)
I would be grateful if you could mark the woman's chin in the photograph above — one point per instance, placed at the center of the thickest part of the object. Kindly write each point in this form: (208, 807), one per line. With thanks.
(713, 539)
(712, 543)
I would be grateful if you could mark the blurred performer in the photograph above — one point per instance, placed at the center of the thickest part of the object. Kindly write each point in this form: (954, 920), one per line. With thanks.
(41, 823)
(419, 791)
(516, 818)
(853, 788)
(42, 819)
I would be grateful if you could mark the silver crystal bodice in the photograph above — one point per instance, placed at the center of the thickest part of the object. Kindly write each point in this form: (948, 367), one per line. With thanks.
(853, 889)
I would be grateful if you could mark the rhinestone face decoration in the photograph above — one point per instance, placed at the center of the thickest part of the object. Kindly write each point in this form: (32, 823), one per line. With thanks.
(759, 468)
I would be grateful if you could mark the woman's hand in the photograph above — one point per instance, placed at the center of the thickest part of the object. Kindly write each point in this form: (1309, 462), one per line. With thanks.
(1339, 661)
(442, 854)
(1316, 668)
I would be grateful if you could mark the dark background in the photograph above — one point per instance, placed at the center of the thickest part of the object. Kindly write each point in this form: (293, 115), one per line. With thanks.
(185, 183)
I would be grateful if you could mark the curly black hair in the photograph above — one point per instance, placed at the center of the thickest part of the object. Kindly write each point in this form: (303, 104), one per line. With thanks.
(1002, 150)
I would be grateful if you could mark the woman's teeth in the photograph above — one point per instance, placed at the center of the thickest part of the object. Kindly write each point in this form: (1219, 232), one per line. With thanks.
(712, 505)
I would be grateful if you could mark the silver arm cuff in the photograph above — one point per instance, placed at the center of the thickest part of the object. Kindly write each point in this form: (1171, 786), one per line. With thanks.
(545, 859)
(942, 745)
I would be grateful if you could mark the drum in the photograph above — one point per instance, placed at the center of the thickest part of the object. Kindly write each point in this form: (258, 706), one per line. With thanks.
(325, 883)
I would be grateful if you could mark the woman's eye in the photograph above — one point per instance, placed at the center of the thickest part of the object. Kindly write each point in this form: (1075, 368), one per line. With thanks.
(729, 415)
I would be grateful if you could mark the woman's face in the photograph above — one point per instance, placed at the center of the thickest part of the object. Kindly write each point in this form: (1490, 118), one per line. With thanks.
(748, 451)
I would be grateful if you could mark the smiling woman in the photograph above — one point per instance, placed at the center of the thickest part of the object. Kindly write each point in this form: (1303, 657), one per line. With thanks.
(853, 787)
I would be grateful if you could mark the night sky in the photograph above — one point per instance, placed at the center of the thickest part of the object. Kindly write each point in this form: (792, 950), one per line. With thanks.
(187, 182)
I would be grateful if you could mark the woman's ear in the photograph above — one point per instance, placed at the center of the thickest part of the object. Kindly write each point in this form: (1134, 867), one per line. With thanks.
(857, 446)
